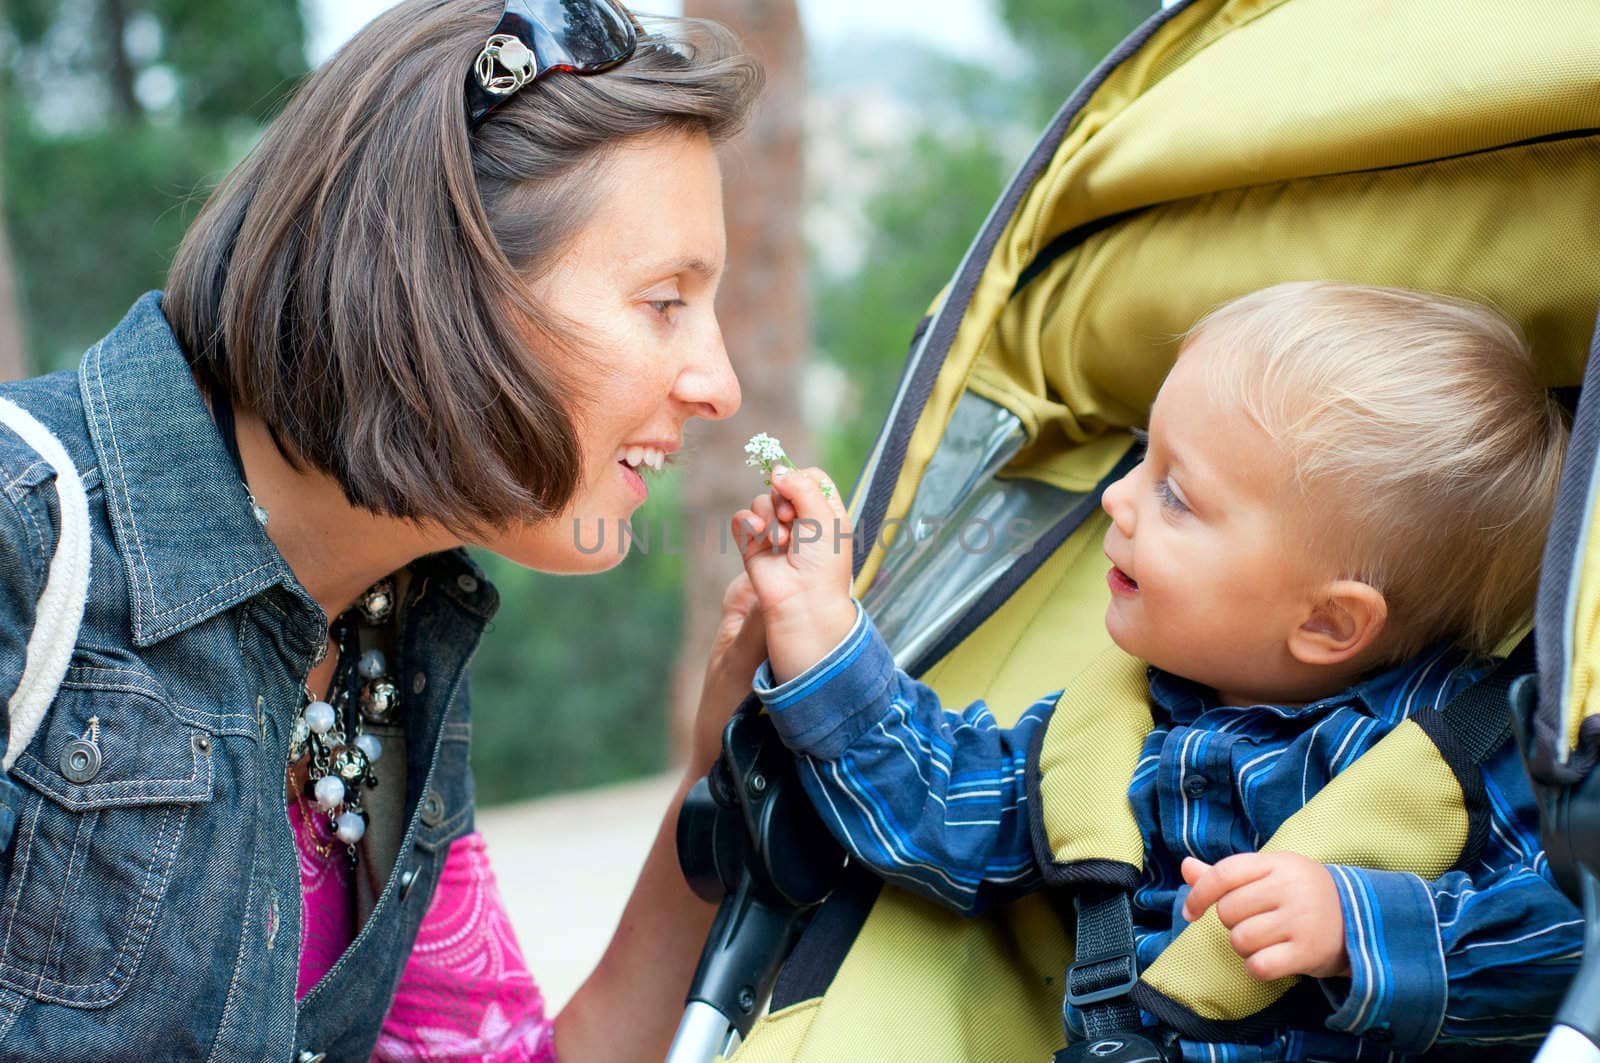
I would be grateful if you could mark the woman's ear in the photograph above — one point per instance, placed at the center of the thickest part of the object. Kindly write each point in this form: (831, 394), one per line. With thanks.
(1348, 617)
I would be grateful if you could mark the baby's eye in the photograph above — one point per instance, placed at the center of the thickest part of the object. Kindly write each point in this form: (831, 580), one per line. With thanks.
(1169, 498)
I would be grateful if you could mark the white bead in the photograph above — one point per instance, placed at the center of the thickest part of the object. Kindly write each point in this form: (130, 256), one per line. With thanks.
(350, 827)
(319, 717)
(372, 664)
(369, 744)
(330, 793)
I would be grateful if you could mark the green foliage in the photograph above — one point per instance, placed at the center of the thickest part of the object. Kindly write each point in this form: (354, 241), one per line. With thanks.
(931, 197)
(94, 219)
(930, 201)
(233, 60)
(97, 197)
(1065, 39)
(569, 686)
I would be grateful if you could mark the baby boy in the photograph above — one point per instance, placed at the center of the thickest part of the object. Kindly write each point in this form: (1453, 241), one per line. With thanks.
(1339, 515)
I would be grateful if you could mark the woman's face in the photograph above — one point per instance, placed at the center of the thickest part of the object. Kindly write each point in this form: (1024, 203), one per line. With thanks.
(636, 286)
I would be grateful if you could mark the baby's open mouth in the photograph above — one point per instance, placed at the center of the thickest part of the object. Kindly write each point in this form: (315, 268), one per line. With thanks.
(1120, 580)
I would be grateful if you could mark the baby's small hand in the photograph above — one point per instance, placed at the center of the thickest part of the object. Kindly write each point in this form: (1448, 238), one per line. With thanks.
(796, 547)
(1281, 909)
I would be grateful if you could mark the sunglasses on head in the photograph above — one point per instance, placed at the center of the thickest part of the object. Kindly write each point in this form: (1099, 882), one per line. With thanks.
(535, 37)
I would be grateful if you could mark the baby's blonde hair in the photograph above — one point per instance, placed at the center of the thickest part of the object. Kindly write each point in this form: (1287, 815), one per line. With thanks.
(1419, 419)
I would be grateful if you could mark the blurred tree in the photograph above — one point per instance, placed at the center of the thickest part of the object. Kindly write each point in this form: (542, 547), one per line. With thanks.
(931, 196)
(13, 366)
(1064, 40)
(567, 687)
(120, 114)
(763, 310)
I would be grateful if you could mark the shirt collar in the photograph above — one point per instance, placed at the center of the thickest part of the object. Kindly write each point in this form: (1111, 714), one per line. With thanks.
(1427, 680)
(180, 517)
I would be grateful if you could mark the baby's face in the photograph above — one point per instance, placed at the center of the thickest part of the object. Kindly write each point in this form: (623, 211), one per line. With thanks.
(1211, 565)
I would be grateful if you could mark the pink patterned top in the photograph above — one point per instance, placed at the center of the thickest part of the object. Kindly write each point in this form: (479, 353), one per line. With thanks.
(466, 994)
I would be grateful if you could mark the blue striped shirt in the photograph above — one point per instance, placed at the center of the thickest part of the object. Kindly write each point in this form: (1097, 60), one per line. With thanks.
(937, 802)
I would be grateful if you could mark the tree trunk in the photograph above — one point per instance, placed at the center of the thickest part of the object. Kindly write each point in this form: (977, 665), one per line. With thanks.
(121, 72)
(13, 362)
(763, 309)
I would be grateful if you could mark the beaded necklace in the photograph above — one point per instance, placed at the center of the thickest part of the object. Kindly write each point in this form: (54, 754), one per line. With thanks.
(327, 739)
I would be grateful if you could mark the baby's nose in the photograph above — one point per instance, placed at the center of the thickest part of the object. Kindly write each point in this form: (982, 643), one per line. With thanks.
(1117, 501)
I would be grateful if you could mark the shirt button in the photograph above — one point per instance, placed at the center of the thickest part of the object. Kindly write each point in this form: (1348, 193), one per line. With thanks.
(418, 683)
(432, 809)
(467, 583)
(1196, 785)
(80, 761)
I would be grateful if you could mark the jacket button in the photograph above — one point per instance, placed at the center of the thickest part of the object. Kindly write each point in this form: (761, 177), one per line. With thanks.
(467, 583)
(1196, 785)
(408, 879)
(80, 761)
(309, 1056)
(432, 809)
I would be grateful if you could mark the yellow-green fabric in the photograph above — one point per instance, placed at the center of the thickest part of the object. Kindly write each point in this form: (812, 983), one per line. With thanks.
(1275, 140)
(933, 985)
(1583, 693)
(1086, 762)
(1253, 142)
(1371, 815)
(923, 983)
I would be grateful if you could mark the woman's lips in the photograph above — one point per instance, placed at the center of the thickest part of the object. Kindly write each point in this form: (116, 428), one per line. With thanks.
(635, 481)
(1121, 583)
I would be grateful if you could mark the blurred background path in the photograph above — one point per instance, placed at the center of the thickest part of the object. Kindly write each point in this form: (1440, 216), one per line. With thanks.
(565, 866)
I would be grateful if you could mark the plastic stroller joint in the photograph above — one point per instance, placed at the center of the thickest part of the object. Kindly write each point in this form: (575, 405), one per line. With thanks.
(749, 839)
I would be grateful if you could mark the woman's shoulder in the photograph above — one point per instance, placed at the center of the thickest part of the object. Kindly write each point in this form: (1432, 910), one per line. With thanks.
(56, 402)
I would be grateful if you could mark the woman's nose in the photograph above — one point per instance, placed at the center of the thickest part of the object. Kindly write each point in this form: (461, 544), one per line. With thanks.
(708, 383)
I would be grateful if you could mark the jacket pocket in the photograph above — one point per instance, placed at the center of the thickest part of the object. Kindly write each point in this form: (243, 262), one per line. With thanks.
(111, 779)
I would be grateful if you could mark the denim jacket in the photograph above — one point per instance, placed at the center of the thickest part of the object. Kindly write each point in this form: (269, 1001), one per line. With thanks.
(151, 911)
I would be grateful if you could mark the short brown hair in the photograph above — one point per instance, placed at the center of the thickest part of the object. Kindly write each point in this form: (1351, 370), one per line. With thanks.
(359, 281)
(1420, 421)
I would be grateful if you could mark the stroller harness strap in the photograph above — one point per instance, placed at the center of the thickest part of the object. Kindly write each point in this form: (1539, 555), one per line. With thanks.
(1085, 834)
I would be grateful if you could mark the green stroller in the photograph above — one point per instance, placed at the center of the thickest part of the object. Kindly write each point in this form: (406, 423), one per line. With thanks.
(1448, 145)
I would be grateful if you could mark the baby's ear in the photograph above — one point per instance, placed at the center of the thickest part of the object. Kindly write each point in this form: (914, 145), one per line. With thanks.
(1347, 618)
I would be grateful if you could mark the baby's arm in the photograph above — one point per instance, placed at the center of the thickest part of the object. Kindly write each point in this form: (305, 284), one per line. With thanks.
(796, 545)
(933, 801)
(1480, 956)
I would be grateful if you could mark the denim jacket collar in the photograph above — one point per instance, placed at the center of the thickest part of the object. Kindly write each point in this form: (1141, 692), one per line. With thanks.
(180, 517)
(169, 483)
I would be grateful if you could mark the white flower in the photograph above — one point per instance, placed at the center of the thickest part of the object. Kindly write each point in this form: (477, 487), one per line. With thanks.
(764, 452)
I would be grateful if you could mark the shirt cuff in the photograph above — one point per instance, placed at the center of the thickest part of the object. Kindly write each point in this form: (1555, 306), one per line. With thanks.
(1396, 992)
(823, 709)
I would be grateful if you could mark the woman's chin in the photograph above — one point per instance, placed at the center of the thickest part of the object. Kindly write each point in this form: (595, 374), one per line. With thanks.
(568, 546)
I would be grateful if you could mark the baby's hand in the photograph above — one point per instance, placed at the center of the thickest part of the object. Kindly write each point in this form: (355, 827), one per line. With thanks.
(1281, 909)
(796, 549)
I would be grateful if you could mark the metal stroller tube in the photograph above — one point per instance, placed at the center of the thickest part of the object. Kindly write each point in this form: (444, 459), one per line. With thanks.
(1569, 824)
(1576, 1035)
(747, 836)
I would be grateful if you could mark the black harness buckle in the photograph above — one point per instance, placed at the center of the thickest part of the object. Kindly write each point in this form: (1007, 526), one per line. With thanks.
(1101, 978)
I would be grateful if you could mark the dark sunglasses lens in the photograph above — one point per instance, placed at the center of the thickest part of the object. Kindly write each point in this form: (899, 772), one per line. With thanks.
(581, 35)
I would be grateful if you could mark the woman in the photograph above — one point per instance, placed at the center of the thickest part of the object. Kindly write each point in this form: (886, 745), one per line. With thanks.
(447, 300)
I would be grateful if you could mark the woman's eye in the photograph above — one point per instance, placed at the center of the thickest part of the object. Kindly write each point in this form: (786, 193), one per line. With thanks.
(665, 307)
(1169, 497)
